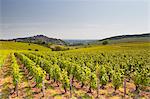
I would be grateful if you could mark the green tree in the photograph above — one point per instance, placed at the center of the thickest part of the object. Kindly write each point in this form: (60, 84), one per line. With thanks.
(105, 42)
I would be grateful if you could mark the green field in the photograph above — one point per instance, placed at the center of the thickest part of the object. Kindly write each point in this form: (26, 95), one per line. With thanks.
(100, 71)
(11, 45)
(117, 47)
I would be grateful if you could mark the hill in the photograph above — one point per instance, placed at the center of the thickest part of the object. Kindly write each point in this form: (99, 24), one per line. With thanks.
(39, 39)
(11, 45)
(77, 42)
(124, 39)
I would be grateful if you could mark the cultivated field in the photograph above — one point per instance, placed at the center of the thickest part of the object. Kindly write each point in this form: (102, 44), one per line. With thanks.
(106, 71)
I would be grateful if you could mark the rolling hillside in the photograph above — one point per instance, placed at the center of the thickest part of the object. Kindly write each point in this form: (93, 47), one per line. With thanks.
(39, 39)
(11, 45)
(124, 39)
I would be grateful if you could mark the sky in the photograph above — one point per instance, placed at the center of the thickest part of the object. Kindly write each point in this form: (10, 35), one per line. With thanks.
(73, 19)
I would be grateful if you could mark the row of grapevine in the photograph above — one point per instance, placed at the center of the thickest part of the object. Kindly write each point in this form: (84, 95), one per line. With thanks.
(16, 75)
(95, 69)
(53, 70)
(35, 70)
(82, 74)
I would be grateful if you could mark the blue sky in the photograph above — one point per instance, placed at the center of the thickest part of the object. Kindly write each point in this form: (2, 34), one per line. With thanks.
(74, 19)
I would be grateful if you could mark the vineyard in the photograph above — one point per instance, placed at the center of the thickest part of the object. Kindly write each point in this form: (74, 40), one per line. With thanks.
(121, 71)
